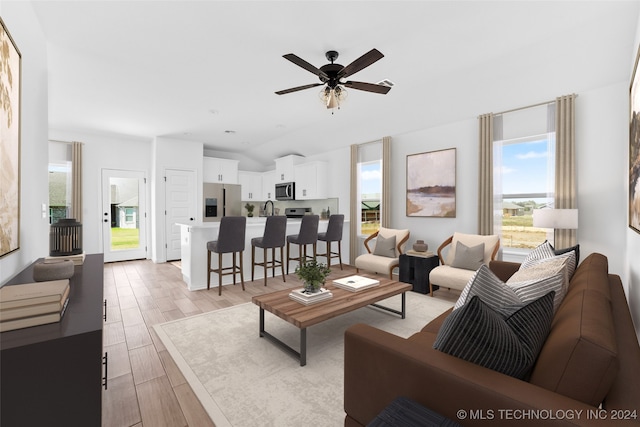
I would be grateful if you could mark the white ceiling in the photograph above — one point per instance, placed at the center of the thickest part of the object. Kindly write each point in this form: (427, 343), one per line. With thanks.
(195, 69)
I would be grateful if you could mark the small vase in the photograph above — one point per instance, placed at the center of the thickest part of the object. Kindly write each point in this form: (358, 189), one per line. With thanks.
(310, 288)
(420, 246)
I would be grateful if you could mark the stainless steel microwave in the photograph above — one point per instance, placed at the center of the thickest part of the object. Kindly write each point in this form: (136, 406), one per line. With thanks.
(286, 191)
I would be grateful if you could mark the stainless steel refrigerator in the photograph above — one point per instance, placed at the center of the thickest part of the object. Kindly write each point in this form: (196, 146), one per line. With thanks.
(221, 200)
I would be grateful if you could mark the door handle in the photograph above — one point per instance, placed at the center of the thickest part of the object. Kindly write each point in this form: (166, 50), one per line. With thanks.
(106, 220)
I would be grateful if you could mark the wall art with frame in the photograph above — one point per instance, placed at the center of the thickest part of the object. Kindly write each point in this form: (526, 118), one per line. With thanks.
(634, 148)
(431, 184)
(10, 104)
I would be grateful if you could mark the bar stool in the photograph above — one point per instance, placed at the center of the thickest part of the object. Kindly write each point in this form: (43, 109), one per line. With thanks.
(308, 235)
(230, 240)
(333, 234)
(274, 237)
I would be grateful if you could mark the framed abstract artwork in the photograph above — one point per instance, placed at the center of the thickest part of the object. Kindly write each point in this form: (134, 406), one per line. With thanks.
(10, 92)
(431, 184)
(634, 148)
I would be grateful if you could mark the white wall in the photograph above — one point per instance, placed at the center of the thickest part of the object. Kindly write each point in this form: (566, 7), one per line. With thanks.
(631, 264)
(601, 142)
(24, 27)
(105, 152)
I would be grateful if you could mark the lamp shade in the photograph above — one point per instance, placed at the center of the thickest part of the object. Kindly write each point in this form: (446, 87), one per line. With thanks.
(555, 218)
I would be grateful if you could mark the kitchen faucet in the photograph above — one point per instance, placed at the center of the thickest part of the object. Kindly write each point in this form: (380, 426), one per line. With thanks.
(265, 207)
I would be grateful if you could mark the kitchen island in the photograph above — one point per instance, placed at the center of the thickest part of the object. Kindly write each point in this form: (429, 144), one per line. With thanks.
(193, 246)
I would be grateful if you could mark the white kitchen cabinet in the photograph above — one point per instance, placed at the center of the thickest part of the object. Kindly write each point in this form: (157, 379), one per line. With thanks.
(269, 185)
(285, 167)
(311, 180)
(251, 183)
(222, 171)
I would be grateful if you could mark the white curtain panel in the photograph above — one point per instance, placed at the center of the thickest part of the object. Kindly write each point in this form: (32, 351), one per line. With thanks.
(566, 191)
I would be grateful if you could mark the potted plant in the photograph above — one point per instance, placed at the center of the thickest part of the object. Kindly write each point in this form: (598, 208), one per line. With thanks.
(249, 209)
(313, 274)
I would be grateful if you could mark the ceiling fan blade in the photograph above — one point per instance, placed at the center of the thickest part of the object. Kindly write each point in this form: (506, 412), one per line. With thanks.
(295, 89)
(364, 61)
(304, 64)
(368, 87)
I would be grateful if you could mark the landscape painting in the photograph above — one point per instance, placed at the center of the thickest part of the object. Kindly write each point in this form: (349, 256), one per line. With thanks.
(634, 149)
(431, 184)
(9, 143)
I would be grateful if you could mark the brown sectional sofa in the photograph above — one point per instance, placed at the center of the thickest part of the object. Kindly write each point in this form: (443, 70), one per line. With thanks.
(587, 373)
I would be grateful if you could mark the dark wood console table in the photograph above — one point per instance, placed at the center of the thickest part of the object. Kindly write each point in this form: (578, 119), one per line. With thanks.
(52, 375)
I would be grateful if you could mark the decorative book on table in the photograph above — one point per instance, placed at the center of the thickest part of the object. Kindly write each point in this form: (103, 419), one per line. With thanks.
(33, 304)
(307, 298)
(41, 319)
(356, 283)
(28, 294)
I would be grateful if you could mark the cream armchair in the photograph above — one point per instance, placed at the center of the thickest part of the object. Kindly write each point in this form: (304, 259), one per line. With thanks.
(384, 258)
(463, 258)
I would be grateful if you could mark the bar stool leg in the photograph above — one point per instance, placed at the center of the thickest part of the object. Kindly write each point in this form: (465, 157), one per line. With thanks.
(328, 253)
(264, 264)
(282, 262)
(219, 274)
(208, 269)
(340, 254)
(241, 272)
(253, 260)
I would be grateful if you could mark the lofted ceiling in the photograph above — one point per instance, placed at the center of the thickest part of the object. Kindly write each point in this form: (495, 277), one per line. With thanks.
(207, 70)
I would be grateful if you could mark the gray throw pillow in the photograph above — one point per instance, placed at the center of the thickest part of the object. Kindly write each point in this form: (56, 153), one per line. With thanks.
(468, 258)
(385, 246)
(510, 345)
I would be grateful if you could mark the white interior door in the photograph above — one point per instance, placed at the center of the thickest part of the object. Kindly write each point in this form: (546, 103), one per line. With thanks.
(180, 196)
(124, 215)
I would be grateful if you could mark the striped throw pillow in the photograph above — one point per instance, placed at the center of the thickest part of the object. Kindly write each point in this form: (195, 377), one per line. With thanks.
(546, 251)
(509, 345)
(491, 290)
(540, 278)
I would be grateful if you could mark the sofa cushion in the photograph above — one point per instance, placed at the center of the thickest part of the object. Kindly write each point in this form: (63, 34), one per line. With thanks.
(469, 240)
(579, 358)
(509, 345)
(385, 246)
(541, 277)
(592, 273)
(469, 258)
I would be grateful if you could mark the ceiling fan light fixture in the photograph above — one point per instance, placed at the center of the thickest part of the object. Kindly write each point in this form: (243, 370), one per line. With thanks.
(332, 97)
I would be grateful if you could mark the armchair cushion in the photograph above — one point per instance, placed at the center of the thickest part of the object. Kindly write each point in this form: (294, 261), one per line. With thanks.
(469, 258)
(510, 345)
(385, 246)
(470, 240)
(401, 236)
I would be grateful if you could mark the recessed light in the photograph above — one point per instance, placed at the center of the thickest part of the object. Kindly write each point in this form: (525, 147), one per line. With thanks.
(214, 111)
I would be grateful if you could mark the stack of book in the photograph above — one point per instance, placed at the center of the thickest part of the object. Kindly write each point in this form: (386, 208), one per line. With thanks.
(77, 259)
(33, 304)
(306, 298)
(356, 283)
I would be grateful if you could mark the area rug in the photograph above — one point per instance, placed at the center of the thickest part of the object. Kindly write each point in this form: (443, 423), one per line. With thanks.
(244, 380)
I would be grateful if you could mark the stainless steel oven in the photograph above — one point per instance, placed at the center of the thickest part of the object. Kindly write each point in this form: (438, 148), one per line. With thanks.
(286, 191)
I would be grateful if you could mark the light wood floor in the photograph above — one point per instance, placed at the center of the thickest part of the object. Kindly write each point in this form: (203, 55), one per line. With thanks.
(145, 388)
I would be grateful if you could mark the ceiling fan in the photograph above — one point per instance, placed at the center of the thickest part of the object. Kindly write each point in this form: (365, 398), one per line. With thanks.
(331, 75)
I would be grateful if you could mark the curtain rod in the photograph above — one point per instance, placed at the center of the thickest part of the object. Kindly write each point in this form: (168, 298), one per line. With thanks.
(528, 106)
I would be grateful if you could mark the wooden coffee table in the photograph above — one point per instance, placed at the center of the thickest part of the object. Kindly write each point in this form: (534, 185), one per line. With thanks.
(343, 301)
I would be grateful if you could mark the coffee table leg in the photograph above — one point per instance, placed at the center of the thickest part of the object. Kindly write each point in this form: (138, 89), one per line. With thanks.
(302, 355)
(303, 346)
(402, 312)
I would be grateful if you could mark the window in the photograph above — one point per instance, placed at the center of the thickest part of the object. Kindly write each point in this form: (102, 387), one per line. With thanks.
(524, 174)
(59, 181)
(369, 187)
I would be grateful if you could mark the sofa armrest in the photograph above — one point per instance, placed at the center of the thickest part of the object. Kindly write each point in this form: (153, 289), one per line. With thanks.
(503, 269)
(379, 366)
